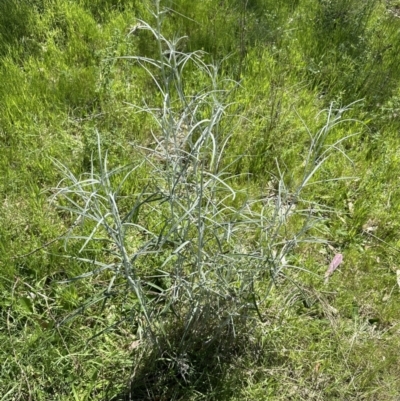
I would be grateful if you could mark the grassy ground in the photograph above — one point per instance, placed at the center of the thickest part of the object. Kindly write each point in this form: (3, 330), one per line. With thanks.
(64, 81)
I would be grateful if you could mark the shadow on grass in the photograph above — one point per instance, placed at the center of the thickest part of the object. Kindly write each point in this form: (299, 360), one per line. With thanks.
(204, 370)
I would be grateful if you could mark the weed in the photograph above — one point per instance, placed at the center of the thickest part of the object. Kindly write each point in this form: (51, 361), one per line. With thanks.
(198, 256)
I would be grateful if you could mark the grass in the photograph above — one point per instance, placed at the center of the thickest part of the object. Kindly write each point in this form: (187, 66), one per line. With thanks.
(137, 281)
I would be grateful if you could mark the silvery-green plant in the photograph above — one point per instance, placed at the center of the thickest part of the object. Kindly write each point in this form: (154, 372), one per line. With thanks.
(197, 255)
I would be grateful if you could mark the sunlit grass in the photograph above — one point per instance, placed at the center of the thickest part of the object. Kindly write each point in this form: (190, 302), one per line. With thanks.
(64, 79)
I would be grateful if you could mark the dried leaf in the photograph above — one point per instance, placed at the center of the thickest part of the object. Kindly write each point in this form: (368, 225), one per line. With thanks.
(336, 261)
(134, 345)
(350, 205)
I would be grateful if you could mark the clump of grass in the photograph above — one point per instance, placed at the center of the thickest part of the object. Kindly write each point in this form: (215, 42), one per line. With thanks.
(351, 50)
(195, 257)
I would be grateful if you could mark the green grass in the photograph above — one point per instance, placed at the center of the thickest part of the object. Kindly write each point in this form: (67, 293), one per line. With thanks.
(72, 77)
